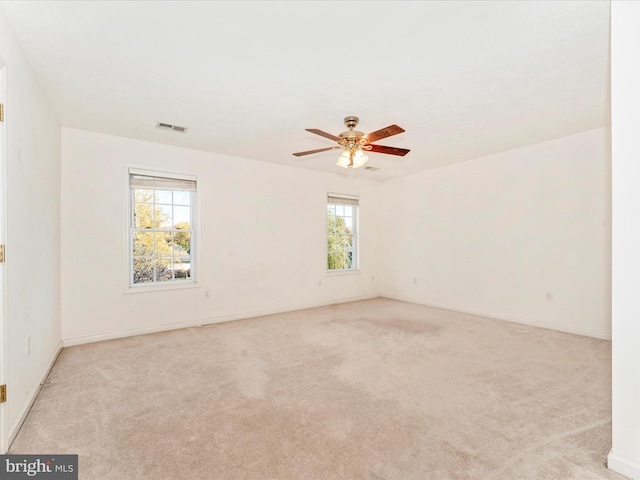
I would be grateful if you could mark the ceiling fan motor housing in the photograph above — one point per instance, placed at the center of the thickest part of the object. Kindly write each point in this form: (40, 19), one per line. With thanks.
(352, 139)
(354, 135)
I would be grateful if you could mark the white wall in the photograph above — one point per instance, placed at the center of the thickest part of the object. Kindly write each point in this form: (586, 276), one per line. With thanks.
(33, 231)
(489, 236)
(493, 235)
(262, 242)
(625, 121)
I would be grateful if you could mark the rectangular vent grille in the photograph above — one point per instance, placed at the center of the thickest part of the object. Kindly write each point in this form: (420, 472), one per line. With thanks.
(168, 126)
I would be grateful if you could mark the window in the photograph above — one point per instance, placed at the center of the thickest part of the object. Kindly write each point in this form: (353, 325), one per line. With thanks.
(342, 233)
(161, 233)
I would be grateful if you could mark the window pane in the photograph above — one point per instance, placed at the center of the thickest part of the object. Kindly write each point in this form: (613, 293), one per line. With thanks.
(181, 198)
(331, 262)
(163, 245)
(182, 267)
(341, 224)
(346, 242)
(143, 244)
(182, 243)
(332, 224)
(339, 261)
(331, 209)
(142, 196)
(332, 242)
(340, 252)
(339, 243)
(143, 215)
(143, 270)
(164, 269)
(163, 196)
(348, 223)
(339, 209)
(349, 260)
(334, 261)
(181, 216)
(337, 225)
(163, 216)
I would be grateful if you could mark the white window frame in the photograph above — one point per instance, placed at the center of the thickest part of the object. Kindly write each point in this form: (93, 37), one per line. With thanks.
(131, 287)
(354, 201)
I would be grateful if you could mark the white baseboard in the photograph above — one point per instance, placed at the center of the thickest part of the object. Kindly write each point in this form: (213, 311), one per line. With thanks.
(258, 313)
(70, 342)
(24, 411)
(623, 466)
(551, 326)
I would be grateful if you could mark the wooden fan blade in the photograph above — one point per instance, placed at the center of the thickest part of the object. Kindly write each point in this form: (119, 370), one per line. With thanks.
(384, 133)
(323, 134)
(309, 152)
(389, 150)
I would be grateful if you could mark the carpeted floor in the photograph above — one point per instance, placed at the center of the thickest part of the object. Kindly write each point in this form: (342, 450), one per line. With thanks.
(377, 390)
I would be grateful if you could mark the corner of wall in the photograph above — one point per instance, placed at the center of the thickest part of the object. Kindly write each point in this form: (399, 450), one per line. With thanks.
(623, 466)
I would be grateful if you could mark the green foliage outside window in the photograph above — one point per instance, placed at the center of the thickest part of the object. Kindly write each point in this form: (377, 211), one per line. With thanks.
(160, 250)
(340, 238)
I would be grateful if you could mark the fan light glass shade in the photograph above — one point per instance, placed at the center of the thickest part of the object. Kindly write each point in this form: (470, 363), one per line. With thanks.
(344, 161)
(359, 159)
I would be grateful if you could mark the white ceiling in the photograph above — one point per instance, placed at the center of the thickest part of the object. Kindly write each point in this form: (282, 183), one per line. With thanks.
(465, 79)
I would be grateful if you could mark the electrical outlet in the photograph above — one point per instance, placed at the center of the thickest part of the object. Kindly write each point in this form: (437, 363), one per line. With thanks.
(207, 294)
(28, 345)
(549, 296)
(319, 283)
(415, 280)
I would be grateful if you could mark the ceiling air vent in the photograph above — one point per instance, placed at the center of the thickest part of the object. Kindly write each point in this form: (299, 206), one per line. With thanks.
(371, 169)
(168, 126)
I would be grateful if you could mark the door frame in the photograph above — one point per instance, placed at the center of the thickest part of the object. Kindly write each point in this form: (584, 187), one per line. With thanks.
(4, 330)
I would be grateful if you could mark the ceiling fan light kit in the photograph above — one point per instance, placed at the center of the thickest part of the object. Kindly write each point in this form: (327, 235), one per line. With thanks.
(354, 141)
(352, 159)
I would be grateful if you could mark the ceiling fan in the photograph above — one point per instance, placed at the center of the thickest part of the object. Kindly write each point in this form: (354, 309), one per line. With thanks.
(354, 142)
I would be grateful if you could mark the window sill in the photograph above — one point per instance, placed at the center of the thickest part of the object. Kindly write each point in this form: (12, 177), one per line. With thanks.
(337, 273)
(160, 288)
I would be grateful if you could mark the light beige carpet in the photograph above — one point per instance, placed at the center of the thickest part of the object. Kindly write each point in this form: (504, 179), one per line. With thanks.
(375, 390)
